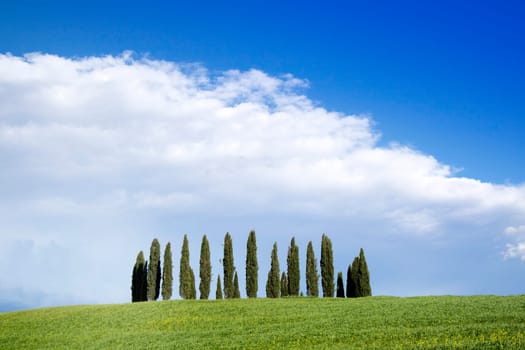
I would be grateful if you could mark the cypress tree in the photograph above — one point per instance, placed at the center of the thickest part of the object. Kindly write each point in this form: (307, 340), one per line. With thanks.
(137, 279)
(351, 287)
(252, 267)
(284, 285)
(158, 279)
(272, 283)
(327, 267)
(167, 275)
(236, 290)
(229, 267)
(364, 289)
(293, 269)
(312, 278)
(144, 289)
(218, 291)
(340, 286)
(186, 276)
(154, 271)
(205, 269)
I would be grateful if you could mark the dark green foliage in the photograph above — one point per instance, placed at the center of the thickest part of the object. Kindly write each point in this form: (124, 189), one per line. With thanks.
(154, 271)
(236, 290)
(364, 289)
(312, 277)
(293, 269)
(157, 281)
(229, 267)
(340, 286)
(193, 290)
(358, 278)
(167, 275)
(351, 277)
(218, 291)
(144, 295)
(139, 282)
(186, 276)
(284, 285)
(272, 284)
(327, 267)
(252, 267)
(205, 269)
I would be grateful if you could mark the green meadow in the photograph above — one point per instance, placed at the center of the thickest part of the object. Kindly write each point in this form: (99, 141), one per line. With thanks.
(444, 322)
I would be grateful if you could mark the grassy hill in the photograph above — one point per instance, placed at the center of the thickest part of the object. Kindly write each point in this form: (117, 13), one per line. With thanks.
(477, 322)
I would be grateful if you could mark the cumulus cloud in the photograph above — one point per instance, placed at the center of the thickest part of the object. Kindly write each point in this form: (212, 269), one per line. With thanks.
(164, 133)
(117, 134)
(516, 249)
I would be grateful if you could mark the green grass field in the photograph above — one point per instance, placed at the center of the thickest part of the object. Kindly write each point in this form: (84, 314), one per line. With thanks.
(477, 322)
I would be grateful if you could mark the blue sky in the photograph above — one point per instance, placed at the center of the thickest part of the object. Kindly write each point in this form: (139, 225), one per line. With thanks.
(434, 86)
(442, 76)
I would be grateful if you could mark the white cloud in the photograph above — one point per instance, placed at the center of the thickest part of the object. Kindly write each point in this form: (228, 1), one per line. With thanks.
(164, 133)
(512, 230)
(95, 136)
(516, 249)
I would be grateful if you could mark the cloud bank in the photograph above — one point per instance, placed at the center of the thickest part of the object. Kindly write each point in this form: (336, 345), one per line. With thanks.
(88, 138)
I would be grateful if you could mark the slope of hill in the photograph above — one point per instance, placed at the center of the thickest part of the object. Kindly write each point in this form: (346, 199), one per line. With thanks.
(476, 322)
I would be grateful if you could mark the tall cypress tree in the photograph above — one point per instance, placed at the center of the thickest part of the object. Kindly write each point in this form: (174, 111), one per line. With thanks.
(137, 279)
(272, 283)
(364, 289)
(284, 285)
(218, 291)
(236, 290)
(154, 271)
(327, 267)
(252, 267)
(351, 277)
(340, 286)
(205, 269)
(186, 276)
(167, 275)
(312, 278)
(293, 269)
(229, 267)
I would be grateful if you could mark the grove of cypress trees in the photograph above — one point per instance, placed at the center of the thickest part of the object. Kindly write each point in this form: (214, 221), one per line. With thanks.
(284, 285)
(236, 290)
(229, 267)
(218, 291)
(272, 284)
(138, 280)
(364, 289)
(186, 276)
(293, 269)
(154, 271)
(340, 286)
(312, 278)
(205, 269)
(252, 267)
(327, 267)
(167, 274)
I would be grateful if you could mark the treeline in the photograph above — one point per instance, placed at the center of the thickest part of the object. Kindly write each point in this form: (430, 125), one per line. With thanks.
(147, 275)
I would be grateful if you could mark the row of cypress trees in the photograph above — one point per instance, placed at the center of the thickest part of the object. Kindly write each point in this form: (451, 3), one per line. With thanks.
(146, 278)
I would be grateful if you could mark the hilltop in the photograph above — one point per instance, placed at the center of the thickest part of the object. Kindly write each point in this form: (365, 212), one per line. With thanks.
(446, 322)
